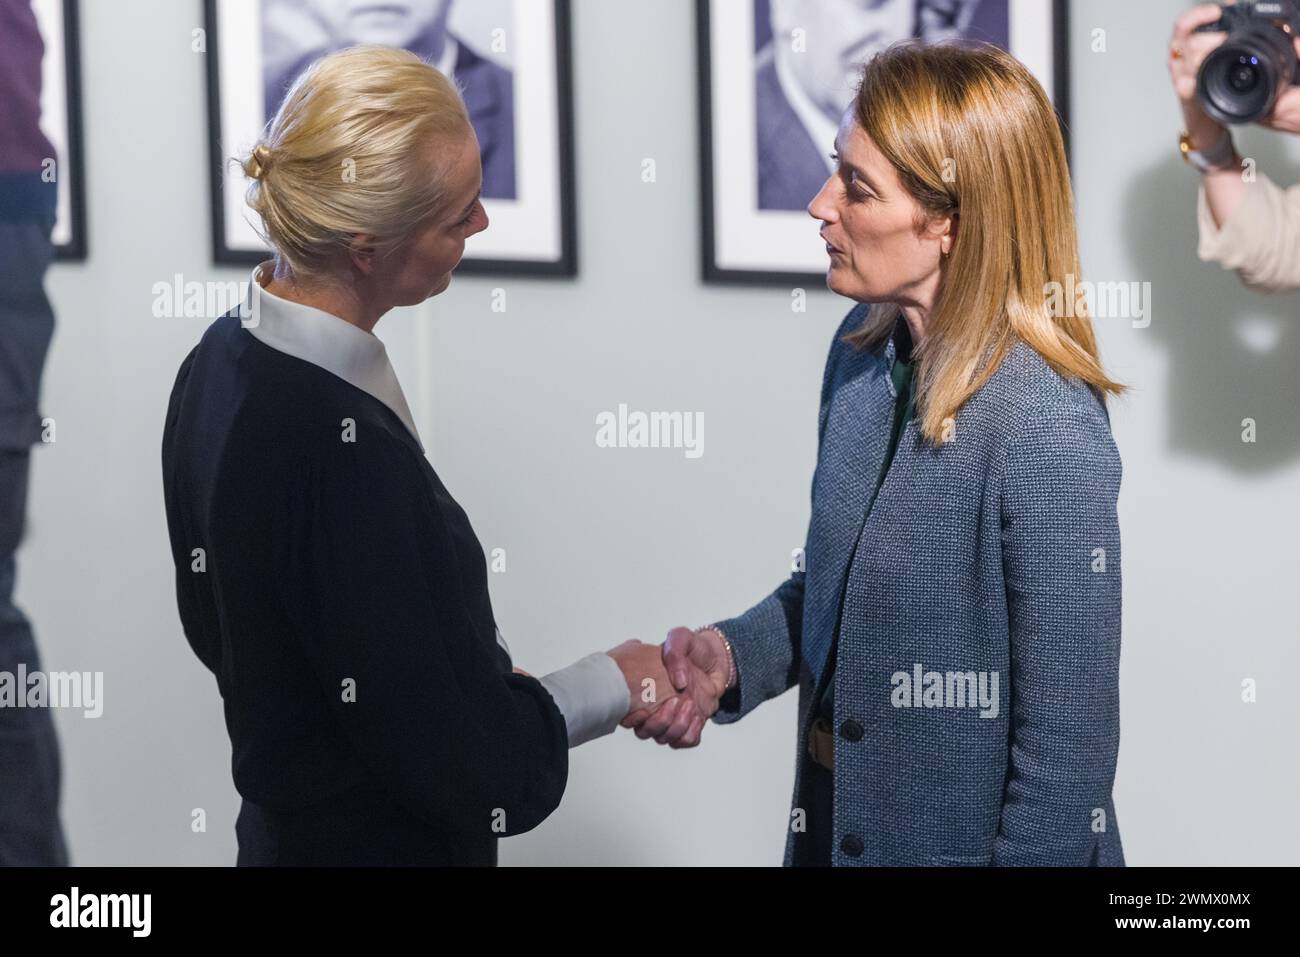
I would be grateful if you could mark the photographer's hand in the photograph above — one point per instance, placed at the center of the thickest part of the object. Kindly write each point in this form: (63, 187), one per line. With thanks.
(1188, 49)
(1286, 115)
(1252, 228)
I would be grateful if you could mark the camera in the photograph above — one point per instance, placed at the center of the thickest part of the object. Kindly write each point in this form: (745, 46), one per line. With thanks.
(1240, 81)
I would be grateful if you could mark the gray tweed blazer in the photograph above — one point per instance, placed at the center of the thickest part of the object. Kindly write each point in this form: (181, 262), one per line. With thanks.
(977, 667)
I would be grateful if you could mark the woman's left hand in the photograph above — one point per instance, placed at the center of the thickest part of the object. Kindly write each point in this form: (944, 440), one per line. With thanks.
(1286, 115)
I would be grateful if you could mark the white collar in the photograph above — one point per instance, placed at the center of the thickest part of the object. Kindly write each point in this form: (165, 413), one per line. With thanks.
(450, 48)
(335, 345)
(820, 130)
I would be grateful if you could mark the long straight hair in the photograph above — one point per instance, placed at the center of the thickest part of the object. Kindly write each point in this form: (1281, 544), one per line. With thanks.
(972, 134)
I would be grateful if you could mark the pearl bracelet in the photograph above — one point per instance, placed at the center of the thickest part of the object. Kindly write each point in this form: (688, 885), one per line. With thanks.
(731, 655)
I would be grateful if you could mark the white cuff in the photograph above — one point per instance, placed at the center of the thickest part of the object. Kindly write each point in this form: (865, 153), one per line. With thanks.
(592, 694)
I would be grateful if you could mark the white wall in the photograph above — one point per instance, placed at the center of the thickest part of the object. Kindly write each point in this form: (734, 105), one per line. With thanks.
(604, 545)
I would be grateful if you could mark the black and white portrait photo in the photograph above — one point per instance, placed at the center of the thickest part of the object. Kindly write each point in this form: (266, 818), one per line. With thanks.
(508, 58)
(803, 87)
(55, 47)
(296, 32)
(776, 78)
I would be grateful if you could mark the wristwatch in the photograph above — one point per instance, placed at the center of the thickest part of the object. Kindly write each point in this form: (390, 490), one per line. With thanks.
(1222, 155)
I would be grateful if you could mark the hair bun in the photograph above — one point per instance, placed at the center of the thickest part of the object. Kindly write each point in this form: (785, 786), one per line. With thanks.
(259, 162)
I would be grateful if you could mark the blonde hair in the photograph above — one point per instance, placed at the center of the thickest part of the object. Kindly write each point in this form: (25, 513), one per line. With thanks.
(977, 111)
(349, 152)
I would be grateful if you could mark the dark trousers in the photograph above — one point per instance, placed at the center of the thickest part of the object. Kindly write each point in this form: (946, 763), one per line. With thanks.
(30, 832)
(812, 847)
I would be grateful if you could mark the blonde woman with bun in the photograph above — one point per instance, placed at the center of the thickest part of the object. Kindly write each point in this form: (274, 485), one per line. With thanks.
(324, 573)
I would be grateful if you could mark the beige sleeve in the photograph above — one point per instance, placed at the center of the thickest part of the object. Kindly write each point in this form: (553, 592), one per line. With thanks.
(1260, 240)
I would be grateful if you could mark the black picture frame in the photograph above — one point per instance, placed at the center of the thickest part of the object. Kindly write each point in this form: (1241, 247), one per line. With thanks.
(714, 274)
(563, 265)
(76, 248)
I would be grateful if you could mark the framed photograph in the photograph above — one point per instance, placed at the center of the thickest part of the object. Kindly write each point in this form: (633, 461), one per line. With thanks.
(61, 122)
(776, 76)
(510, 59)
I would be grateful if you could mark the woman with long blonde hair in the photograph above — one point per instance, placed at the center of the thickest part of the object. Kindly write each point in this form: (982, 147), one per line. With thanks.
(955, 630)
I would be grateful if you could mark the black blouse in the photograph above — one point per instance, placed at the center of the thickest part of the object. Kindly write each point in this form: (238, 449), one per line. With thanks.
(340, 598)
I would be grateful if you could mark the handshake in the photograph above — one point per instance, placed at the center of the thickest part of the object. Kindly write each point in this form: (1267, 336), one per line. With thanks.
(675, 687)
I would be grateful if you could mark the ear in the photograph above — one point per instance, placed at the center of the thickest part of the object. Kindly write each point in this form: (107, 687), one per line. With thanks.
(946, 231)
(361, 253)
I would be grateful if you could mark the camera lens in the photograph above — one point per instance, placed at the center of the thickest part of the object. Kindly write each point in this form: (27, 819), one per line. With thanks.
(1245, 76)
(1240, 81)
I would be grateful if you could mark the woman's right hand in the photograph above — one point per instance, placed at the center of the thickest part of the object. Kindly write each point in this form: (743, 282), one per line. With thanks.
(1187, 51)
(1183, 70)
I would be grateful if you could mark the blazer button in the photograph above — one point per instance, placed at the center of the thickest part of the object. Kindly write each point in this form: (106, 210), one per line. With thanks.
(851, 845)
(851, 731)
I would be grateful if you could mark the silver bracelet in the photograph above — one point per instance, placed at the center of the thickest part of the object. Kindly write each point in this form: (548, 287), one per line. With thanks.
(731, 654)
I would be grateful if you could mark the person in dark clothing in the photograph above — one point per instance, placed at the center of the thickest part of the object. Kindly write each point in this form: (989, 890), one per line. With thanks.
(30, 832)
(324, 573)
